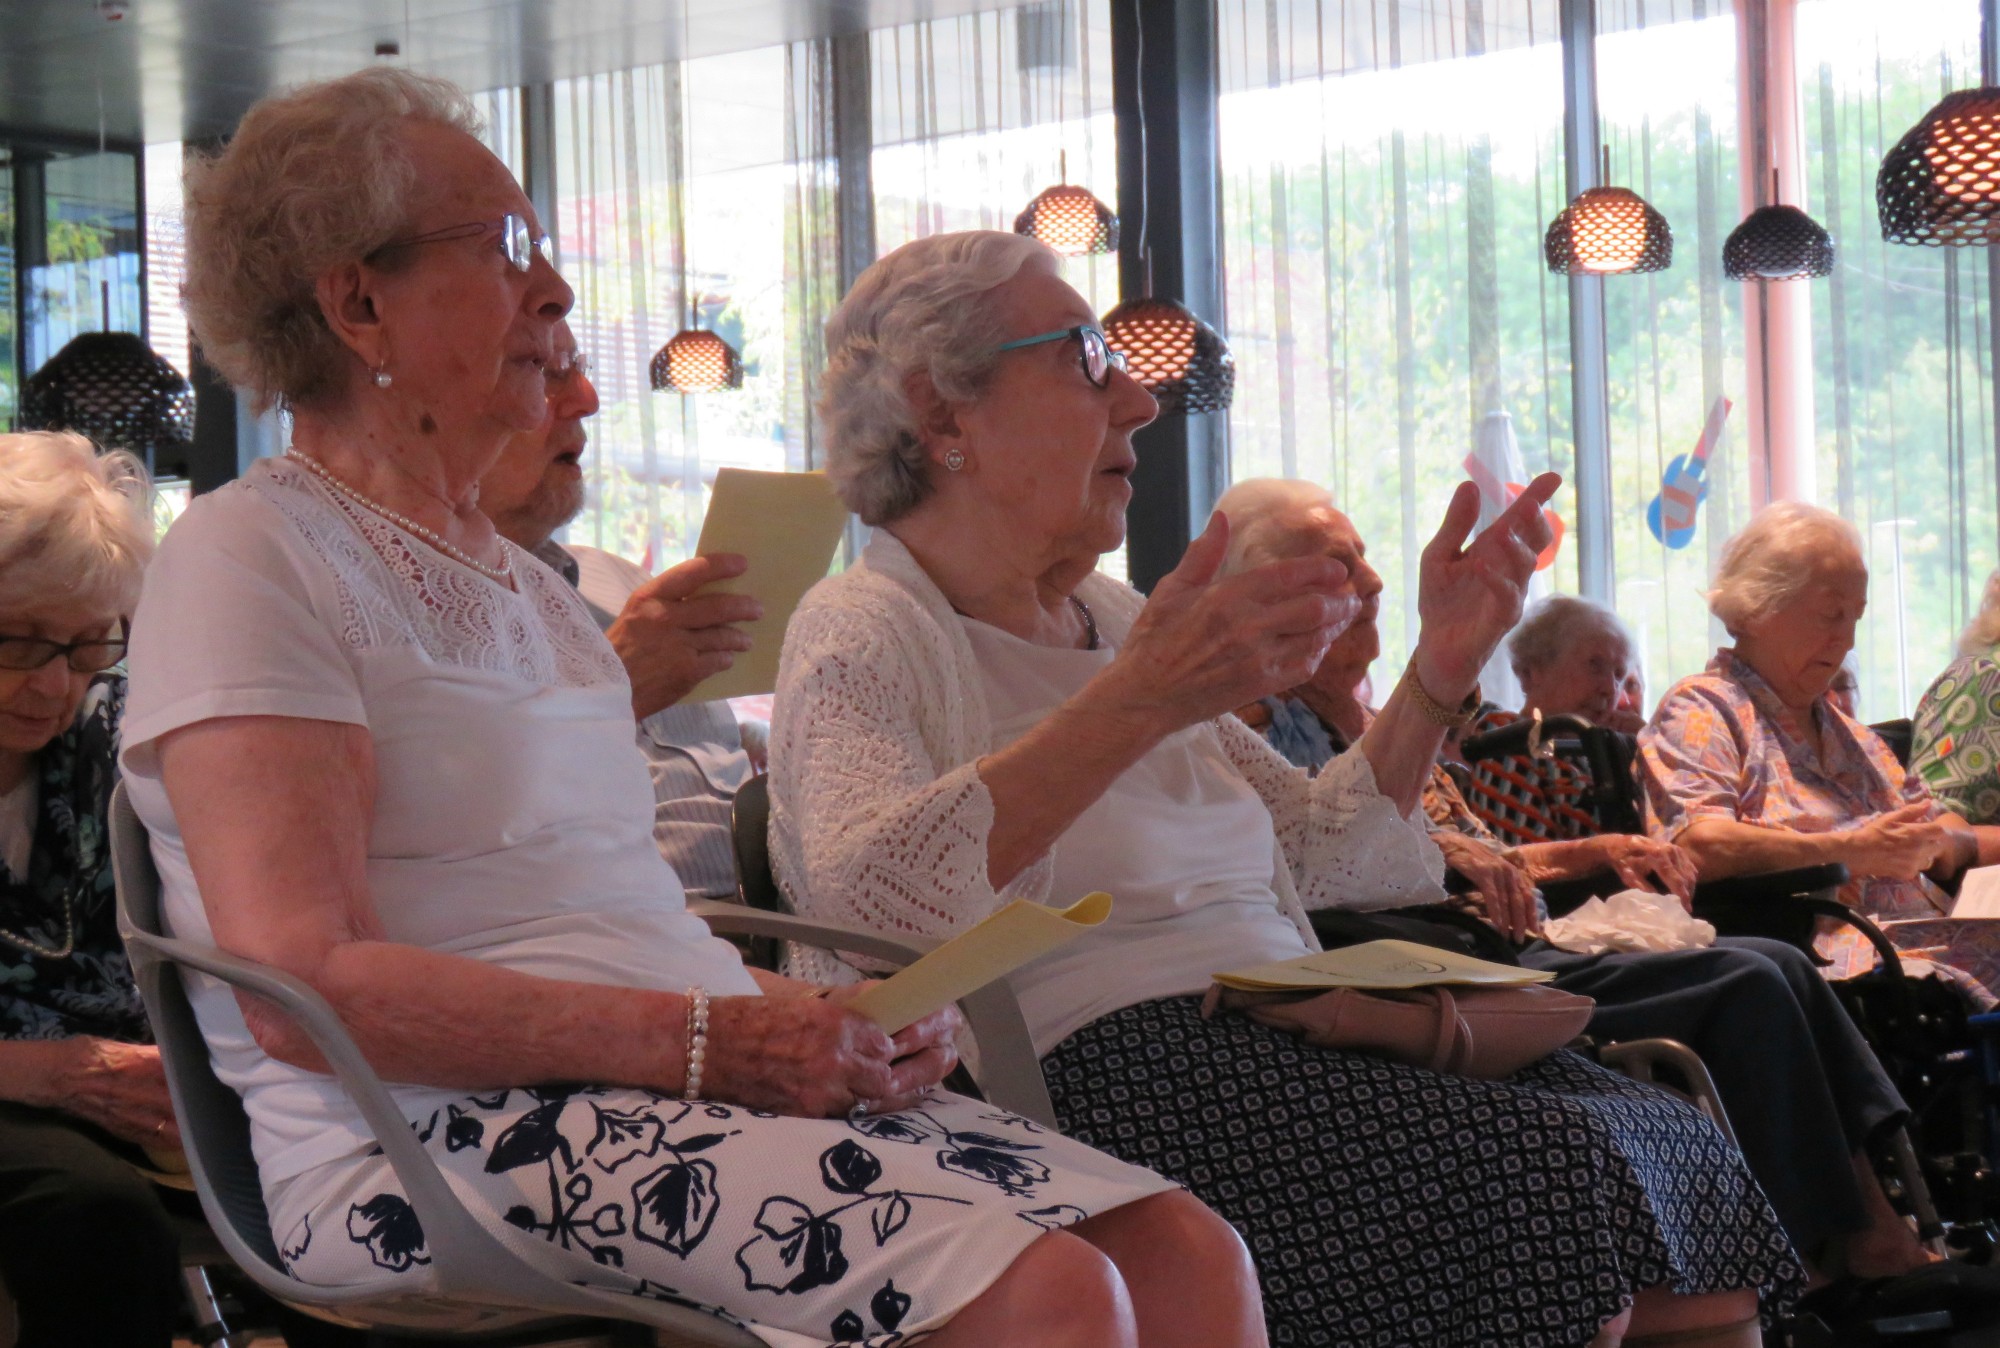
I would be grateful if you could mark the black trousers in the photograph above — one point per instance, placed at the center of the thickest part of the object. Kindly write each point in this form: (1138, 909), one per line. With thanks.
(1802, 1088)
(86, 1247)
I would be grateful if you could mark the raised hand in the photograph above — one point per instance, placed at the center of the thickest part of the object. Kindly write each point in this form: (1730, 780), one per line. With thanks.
(670, 638)
(1202, 646)
(1470, 596)
(812, 1057)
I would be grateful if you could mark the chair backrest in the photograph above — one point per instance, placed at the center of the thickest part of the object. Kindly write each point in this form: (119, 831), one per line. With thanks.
(214, 1128)
(1900, 735)
(750, 830)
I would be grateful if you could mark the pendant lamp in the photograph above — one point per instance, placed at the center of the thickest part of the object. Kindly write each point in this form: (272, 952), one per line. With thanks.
(1180, 360)
(113, 388)
(694, 360)
(1070, 219)
(1608, 231)
(1941, 183)
(1777, 242)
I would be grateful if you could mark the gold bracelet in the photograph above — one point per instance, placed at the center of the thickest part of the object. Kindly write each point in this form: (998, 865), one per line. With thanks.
(1434, 711)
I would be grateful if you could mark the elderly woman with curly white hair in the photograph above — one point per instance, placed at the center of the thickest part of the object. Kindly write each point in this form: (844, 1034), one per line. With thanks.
(383, 749)
(81, 1091)
(1750, 765)
(973, 713)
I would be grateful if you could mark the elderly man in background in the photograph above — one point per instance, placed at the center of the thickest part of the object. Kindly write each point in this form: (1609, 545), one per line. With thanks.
(668, 635)
(1784, 1055)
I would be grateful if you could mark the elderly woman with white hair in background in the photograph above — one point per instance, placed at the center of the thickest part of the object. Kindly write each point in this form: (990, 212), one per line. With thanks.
(85, 1245)
(384, 749)
(1956, 735)
(1752, 767)
(1784, 1055)
(973, 713)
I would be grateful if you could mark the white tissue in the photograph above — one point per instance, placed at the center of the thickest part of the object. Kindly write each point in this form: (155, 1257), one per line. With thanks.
(1630, 920)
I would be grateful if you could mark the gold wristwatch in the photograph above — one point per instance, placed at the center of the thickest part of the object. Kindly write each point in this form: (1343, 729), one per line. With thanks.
(1434, 711)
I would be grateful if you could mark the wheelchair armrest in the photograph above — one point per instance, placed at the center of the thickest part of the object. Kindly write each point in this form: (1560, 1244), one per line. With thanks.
(1761, 888)
(1010, 1072)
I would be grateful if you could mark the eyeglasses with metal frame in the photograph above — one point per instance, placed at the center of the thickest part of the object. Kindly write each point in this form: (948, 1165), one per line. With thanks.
(517, 243)
(1099, 360)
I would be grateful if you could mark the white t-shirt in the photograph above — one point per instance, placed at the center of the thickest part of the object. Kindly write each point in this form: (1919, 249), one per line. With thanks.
(513, 813)
(1181, 841)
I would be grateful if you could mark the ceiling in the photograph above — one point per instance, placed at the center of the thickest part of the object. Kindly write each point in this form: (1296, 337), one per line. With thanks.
(187, 69)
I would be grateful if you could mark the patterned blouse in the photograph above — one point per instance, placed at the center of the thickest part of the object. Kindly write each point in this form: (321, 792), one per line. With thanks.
(1296, 731)
(1524, 799)
(1722, 746)
(1957, 739)
(68, 887)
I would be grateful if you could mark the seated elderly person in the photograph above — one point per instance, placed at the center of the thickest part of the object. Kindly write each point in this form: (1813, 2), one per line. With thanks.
(1956, 731)
(973, 713)
(668, 637)
(1750, 766)
(387, 751)
(86, 1248)
(1783, 1052)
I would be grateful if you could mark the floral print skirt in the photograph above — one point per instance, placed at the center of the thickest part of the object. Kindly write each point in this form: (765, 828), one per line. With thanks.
(807, 1231)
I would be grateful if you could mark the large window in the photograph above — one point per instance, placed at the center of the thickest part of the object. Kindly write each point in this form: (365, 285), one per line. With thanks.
(1386, 172)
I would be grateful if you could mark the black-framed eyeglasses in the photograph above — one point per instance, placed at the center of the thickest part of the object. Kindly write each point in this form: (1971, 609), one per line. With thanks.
(1099, 360)
(27, 654)
(517, 242)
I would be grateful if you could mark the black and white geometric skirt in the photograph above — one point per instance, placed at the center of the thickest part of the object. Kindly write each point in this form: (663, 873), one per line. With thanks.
(807, 1231)
(1386, 1205)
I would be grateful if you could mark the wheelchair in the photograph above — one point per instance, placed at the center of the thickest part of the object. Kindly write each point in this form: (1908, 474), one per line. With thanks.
(1937, 1168)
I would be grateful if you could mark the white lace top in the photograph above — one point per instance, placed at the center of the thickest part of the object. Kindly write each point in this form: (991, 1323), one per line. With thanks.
(878, 813)
(513, 812)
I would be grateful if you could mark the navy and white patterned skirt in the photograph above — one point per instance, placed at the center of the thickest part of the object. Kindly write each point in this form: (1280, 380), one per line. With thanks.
(1388, 1205)
(808, 1231)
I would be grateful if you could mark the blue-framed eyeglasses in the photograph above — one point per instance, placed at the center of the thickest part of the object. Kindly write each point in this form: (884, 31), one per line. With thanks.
(517, 242)
(1099, 360)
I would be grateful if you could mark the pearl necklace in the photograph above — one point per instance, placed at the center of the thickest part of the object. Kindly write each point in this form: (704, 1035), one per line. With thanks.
(61, 952)
(502, 574)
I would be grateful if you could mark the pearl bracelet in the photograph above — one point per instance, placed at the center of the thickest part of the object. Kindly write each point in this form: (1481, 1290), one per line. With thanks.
(697, 1042)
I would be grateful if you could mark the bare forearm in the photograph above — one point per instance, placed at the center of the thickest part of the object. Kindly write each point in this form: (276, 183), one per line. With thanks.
(1726, 847)
(1570, 860)
(1401, 745)
(33, 1071)
(1045, 780)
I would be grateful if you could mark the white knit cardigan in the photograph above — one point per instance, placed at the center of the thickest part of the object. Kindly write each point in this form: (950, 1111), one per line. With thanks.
(878, 814)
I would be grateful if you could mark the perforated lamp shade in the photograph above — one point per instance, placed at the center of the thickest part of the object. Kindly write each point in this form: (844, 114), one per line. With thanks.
(1180, 360)
(1777, 243)
(697, 361)
(1070, 220)
(1941, 182)
(1605, 231)
(112, 387)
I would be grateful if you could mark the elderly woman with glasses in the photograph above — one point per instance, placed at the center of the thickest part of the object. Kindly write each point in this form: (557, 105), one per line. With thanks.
(82, 1097)
(384, 749)
(973, 713)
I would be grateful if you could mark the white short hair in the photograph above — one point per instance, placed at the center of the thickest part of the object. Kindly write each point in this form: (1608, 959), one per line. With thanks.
(75, 526)
(1982, 634)
(1774, 557)
(1268, 522)
(1554, 626)
(311, 179)
(919, 310)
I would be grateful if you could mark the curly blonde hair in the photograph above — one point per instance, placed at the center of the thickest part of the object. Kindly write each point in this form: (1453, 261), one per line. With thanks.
(1774, 557)
(75, 525)
(916, 310)
(313, 178)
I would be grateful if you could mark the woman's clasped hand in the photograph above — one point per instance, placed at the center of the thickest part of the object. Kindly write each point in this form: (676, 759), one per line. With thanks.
(813, 1057)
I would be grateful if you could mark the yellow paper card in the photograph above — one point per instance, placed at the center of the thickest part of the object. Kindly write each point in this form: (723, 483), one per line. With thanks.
(970, 960)
(787, 525)
(1377, 964)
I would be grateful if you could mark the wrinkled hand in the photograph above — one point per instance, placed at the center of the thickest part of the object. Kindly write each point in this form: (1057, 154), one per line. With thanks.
(1505, 897)
(122, 1088)
(1203, 646)
(1646, 863)
(669, 638)
(1469, 597)
(811, 1057)
(1900, 845)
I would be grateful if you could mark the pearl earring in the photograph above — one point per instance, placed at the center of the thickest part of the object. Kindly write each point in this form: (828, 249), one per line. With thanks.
(383, 378)
(954, 459)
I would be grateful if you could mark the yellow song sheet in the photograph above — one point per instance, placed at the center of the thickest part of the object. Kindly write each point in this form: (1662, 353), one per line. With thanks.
(787, 525)
(1377, 964)
(970, 960)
